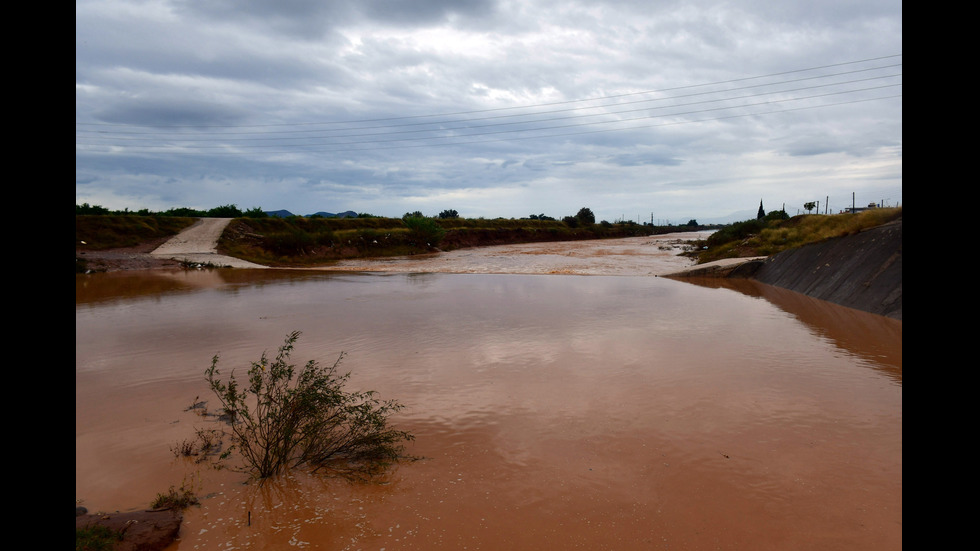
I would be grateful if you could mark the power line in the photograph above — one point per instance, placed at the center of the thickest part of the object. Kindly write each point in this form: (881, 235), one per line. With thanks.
(477, 111)
(145, 135)
(444, 132)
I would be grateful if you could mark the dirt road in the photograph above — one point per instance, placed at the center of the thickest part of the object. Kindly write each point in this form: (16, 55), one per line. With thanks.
(199, 243)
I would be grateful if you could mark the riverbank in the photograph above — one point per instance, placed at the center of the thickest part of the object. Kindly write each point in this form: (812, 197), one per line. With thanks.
(861, 271)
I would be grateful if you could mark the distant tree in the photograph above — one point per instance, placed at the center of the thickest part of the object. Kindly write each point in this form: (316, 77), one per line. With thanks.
(809, 206)
(570, 221)
(225, 211)
(585, 216)
(776, 215)
(85, 208)
(255, 212)
(449, 214)
(425, 231)
(185, 211)
(692, 222)
(762, 213)
(416, 214)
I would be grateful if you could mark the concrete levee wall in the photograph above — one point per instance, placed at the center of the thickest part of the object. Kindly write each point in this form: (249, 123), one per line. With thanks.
(861, 271)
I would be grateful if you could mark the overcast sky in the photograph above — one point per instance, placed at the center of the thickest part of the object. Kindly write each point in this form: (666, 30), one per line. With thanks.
(638, 109)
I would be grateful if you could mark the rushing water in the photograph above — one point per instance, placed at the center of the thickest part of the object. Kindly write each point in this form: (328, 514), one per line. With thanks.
(552, 411)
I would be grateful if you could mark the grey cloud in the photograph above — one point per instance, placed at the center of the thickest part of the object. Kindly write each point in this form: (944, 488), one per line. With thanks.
(170, 112)
(425, 11)
(308, 19)
(643, 159)
(294, 63)
(311, 19)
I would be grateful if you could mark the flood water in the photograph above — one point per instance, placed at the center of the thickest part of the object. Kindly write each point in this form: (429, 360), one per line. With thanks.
(619, 412)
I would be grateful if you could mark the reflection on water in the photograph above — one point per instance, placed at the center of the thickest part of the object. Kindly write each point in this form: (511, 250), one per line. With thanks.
(867, 335)
(598, 412)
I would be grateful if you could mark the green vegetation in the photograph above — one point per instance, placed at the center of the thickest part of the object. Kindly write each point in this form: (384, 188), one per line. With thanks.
(317, 241)
(776, 232)
(301, 241)
(96, 233)
(96, 538)
(283, 417)
(223, 211)
(424, 230)
(176, 499)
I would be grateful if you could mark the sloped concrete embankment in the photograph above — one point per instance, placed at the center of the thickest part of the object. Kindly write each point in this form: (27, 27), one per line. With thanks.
(861, 271)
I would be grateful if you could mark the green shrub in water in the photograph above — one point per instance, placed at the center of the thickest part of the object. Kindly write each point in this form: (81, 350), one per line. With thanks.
(283, 417)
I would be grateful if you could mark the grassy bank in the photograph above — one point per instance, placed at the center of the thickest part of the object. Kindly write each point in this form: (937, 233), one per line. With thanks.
(98, 233)
(299, 241)
(768, 237)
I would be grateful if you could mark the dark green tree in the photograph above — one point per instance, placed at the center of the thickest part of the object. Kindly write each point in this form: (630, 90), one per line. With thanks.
(424, 231)
(185, 211)
(776, 215)
(762, 213)
(450, 213)
(585, 216)
(225, 211)
(85, 208)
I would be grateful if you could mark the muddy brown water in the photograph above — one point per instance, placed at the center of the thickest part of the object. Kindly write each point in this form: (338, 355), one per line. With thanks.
(552, 411)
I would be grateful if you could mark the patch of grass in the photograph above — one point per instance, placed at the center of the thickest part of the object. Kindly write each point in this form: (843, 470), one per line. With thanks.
(96, 538)
(176, 499)
(189, 265)
(206, 443)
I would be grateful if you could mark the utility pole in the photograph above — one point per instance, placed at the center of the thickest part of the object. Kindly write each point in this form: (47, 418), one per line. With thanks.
(826, 204)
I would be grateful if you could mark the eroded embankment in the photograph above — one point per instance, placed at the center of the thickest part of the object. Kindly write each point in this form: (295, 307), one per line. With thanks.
(861, 271)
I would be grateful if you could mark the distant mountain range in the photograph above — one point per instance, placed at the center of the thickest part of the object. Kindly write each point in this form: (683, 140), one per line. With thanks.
(286, 213)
